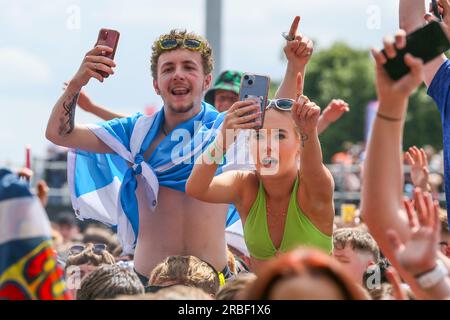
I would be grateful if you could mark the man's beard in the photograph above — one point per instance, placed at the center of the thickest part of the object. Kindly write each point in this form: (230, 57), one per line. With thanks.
(182, 109)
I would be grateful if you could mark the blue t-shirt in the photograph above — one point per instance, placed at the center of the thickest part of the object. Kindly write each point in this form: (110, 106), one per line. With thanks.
(439, 90)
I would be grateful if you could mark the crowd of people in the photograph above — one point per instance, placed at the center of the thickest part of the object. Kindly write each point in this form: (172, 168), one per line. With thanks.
(243, 207)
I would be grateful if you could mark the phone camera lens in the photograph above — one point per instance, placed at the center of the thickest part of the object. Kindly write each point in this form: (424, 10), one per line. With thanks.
(250, 82)
(246, 77)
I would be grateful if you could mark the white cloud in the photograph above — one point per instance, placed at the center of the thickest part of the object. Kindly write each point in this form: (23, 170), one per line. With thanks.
(20, 67)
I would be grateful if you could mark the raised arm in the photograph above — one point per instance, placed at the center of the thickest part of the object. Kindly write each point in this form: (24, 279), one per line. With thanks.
(382, 205)
(382, 191)
(332, 113)
(314, 177)
(412, 17)
(298, 52)
(226, 187)
(61, 128)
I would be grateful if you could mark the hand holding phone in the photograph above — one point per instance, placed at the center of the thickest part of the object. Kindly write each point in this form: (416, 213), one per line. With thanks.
(255, 86)
(109, 38)
(426, 43)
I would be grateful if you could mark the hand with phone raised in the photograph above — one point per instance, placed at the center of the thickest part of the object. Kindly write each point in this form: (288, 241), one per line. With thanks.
(390, 92)
(98, 63)
(241, 115)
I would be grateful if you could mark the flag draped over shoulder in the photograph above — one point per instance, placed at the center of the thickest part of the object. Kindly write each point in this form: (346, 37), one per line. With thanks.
(103, 185)
(28, 268)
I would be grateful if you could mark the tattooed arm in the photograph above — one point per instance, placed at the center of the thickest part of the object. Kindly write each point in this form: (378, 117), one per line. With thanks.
(61, 128)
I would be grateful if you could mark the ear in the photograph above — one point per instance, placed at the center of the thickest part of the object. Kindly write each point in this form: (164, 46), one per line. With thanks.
(207, 82)
(156, 87)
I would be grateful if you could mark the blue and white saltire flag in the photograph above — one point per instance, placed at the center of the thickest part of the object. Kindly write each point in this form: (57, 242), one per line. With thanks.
(103, 185)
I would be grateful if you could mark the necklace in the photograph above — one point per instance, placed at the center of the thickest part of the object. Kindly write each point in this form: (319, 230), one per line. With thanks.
(164, 130)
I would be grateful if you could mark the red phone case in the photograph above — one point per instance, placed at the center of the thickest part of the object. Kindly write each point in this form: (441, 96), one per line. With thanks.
(109, 38)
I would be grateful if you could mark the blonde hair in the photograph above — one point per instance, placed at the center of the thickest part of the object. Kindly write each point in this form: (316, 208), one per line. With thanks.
(205, 51)
(186, 270)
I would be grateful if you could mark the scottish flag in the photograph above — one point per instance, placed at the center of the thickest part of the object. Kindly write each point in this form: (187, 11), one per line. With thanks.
(28, 268)
(103, 185)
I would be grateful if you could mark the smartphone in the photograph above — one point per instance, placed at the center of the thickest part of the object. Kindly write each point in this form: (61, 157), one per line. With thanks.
(435, 8)
(426, 43)
(254, 86)
(28, 157)
(109, 38)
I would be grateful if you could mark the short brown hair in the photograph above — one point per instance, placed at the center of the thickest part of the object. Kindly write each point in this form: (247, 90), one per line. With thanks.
(186, 270)
(110, 281)
(232, 287)
(88, 256)
(205, 52)
(180, 292)
(359, 239)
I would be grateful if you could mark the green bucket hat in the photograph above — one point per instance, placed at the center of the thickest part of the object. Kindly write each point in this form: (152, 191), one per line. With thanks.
(228, 80)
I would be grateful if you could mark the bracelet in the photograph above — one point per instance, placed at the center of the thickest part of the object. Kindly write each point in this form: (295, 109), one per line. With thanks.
(388, 118)
(432, 277)
(213, 159)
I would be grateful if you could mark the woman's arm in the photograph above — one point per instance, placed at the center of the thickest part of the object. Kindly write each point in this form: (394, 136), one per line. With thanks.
(227, 187)
(316, 180)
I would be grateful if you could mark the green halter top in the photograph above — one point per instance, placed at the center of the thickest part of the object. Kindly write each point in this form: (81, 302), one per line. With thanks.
(298, 230)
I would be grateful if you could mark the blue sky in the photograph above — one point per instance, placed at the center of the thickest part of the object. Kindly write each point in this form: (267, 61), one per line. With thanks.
(42, 44)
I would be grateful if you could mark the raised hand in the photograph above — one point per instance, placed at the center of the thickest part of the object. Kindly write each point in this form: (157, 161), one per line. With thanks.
(392, 92)
(335, 110)
(305, 112)
(93, 62)
(299, 50)
(419, 253)
(417, 159)
(241, 115)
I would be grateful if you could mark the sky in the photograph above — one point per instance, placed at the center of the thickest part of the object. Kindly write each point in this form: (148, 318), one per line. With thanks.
(42, 44)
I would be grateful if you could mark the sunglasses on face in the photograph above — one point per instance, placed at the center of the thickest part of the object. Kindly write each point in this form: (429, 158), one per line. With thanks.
(98, 248)
(170, 43)
(281, 104)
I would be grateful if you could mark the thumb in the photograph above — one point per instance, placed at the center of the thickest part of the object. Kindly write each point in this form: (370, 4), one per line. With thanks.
(299, 84)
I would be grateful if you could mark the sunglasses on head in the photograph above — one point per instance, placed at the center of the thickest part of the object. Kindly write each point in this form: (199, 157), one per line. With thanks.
(172, 43)
(98, 248)
(281, 104)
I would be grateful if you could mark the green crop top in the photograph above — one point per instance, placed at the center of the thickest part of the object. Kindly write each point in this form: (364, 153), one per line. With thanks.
(298, 230)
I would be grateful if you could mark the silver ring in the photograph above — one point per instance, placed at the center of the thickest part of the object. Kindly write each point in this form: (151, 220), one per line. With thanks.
(96, 66)
(287, 36)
